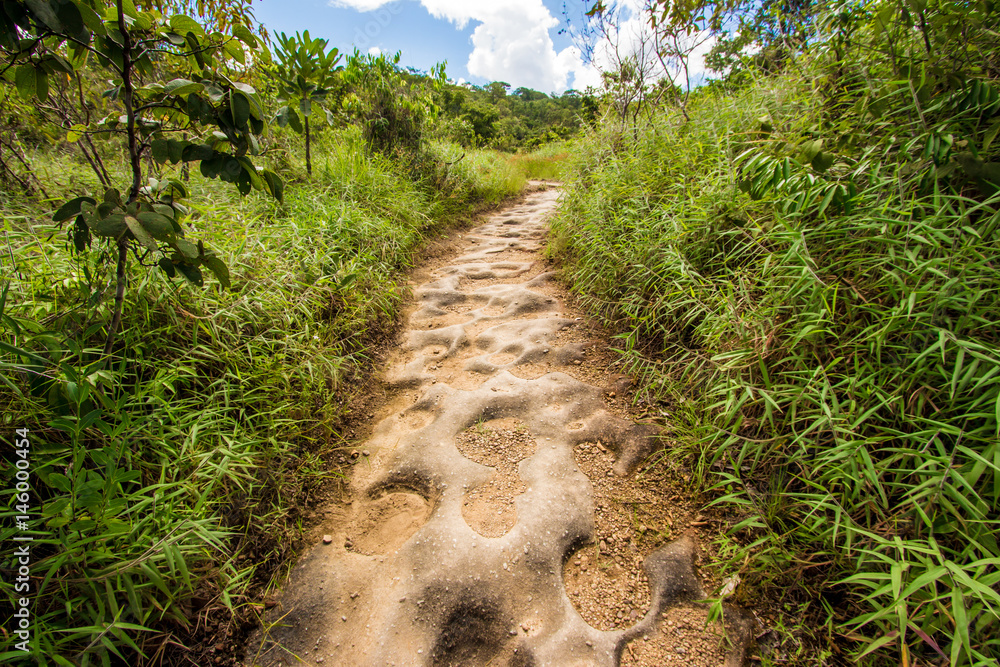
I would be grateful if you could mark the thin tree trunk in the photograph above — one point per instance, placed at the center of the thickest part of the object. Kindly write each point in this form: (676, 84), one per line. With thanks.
(98, 161)
(309, 165)
(134, 161)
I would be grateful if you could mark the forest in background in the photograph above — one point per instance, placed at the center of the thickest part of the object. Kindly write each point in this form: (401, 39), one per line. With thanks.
(207, 233)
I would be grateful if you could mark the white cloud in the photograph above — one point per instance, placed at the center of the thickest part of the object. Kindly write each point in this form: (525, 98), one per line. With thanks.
(375, 51)
(360, 5)
(512, 42)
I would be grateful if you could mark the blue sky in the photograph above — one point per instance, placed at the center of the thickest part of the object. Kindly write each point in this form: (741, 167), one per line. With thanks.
(516, 41)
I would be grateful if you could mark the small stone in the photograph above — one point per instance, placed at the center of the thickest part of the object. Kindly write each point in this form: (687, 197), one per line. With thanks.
(327, 539)
(577, 362)
(604, 547)
(343, 618)
(355, 595)
(355, 453)
(348, 543)
(611, 394)
(365, 453)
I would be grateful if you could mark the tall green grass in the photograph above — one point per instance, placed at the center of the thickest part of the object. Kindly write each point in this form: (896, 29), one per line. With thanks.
(545, 163)
(830, 363)
(169, 484)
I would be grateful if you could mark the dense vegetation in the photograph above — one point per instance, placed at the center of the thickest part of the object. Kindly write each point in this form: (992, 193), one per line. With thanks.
(802, 264)
(190, 291)
(494, 116)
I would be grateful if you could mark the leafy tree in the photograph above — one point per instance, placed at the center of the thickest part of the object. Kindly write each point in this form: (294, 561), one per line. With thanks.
(391, 104)
(483, 118)
(497, 90)
(44, 40)
(307, 73)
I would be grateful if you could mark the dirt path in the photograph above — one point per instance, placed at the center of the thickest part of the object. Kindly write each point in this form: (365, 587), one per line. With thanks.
(489, 520)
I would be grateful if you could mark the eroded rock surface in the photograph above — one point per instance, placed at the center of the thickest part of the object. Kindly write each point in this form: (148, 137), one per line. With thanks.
(472, 500)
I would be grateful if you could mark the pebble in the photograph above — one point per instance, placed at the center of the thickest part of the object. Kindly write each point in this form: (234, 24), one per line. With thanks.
(327, 539)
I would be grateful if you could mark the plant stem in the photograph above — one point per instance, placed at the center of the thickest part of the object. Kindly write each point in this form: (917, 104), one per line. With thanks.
(309, 166)
(133, 154)
(129, 90)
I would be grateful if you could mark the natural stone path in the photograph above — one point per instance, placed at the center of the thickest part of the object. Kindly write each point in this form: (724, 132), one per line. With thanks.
(471, 519)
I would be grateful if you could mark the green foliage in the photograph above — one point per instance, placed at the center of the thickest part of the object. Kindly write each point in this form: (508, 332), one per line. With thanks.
(58, 40)
(524, 119)
(392, 105)
(804, 276)
(308, 75)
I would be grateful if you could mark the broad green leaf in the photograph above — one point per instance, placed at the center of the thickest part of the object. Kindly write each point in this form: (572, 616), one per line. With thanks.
(235, 51)
(45, 10)
(991, 134)
(195, 152)
(140, 233)
(167, 266)
(274, 185)
(822, 161)
(287, 116)
(112, 226)
(192, 273)
(186, 248)
(24, 80)
(240, 108)
(185, 24)
(60, 482)
(242, 33)
(159, 226)
(71, 209)
(219, 268)
(159, 149)
(182, 87)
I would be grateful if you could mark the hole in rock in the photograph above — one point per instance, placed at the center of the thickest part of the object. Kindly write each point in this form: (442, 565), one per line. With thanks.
(500, 444)
(385, 523)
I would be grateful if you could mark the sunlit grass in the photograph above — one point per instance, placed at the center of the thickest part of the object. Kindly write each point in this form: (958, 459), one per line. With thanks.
(832, 377)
